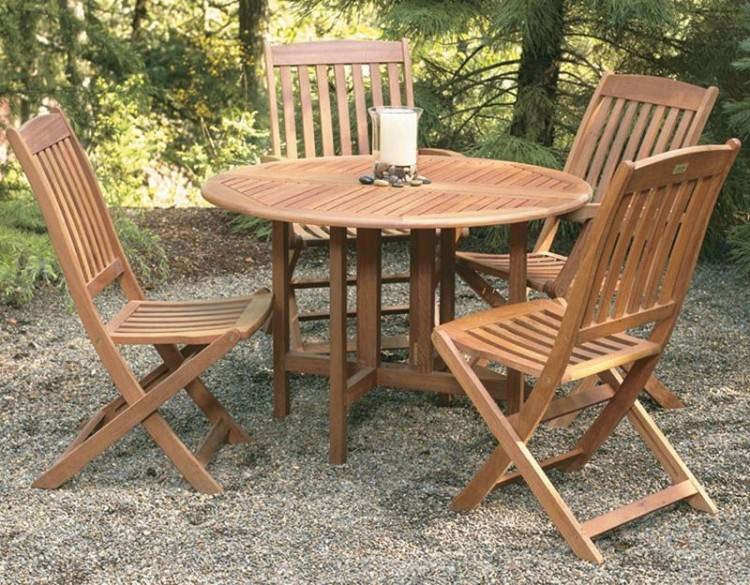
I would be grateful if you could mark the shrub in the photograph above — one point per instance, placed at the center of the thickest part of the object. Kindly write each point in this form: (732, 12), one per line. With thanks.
(739, 240)
(27, 259)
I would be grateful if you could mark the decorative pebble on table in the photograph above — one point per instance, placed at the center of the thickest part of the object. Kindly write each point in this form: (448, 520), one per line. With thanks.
(394, 181)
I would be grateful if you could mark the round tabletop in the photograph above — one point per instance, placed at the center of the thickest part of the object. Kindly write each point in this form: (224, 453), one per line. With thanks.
(464, 192)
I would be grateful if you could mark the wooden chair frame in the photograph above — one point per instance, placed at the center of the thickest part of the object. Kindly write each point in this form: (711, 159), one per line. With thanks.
(92, 258)
(629, 117)
(358, 61)
(645, 242)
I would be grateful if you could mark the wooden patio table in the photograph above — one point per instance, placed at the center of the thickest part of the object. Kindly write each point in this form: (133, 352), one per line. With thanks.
(325, 192)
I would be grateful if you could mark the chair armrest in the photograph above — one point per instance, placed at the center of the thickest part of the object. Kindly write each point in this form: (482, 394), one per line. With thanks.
(583, 214)
(264, 158)
(439, 152)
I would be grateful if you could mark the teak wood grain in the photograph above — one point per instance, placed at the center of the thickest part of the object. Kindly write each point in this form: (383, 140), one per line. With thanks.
(92, 259)
(633, 275)
(629, 117)
(307, 77)
(465, 191)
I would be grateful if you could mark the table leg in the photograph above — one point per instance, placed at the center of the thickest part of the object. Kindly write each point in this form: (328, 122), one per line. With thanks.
(447, 287)
(338, 368)
(281, 298)
(447, 275)
(368, 297)
(422, 299)
(517, 294)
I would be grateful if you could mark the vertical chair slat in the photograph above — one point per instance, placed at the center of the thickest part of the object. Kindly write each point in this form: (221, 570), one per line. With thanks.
(678, 140)
(273, 109)
(615, 152)
(582, 159)
(305, 96)
(377, 84)
(342, 107)
(666, 131)
(80, 184)
(656, 220)
(640, 239)
(394, 87)
(324, 99)
(408, 82)
(287, 97)
(74, 202)
(69, 216)
(360, 109)
(662, 253)
(605, 141)
(647, 146)
(637, 134)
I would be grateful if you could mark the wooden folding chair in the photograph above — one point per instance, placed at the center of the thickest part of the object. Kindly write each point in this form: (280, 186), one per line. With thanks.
(92, 258)
(635, 272)
(629, 117)
(335, 66)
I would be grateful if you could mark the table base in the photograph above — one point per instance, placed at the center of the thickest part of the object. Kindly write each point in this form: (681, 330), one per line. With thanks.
(351, 379)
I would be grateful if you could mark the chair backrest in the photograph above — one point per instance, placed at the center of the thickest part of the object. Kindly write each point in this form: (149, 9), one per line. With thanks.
(74, 210)
(631, 117)
(311, 70)
(645, 242)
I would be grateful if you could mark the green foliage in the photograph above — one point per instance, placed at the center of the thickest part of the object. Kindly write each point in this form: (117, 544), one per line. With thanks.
(163, 96)
(503, 146)
(27, 259)
(252, 226)
(144, 250)
(126, 138)
(739, 239)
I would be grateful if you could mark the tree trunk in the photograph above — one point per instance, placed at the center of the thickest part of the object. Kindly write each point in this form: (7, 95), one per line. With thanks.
(252, 19)
(69, 33)
(140, 12)
(533, 113)
(27, 35)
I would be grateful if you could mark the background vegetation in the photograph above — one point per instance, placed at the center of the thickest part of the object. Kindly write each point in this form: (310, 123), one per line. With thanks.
(167, 92)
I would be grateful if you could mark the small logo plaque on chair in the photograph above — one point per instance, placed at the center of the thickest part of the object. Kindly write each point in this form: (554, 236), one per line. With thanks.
(394, 144)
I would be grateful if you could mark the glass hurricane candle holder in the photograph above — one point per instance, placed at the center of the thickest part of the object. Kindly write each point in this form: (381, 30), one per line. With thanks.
(394, 143)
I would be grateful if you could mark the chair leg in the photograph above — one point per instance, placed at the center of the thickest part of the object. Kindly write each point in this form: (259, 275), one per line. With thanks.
(581, 386)
(202, 397)
(616, 409)
(662, 395)
(662, 449)
(479, 285)
(144, 411)
(513, 450)
(296, 342)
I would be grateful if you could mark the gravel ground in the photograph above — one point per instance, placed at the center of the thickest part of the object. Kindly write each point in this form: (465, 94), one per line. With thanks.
(289, 517)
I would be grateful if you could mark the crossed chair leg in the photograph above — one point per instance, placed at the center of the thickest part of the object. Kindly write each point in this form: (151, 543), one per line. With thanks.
(139, 403)
(513, 433)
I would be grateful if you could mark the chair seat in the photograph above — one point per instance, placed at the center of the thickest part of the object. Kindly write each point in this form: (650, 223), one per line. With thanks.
(541, 269)
(196, 322)
(521, 336)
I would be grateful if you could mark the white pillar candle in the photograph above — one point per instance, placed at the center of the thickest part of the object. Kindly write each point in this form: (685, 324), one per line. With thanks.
(398, 136)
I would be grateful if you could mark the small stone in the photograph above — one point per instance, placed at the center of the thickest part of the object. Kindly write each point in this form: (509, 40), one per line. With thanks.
(380, 183)
(397, 183)
(366, 180)
(416, 182)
